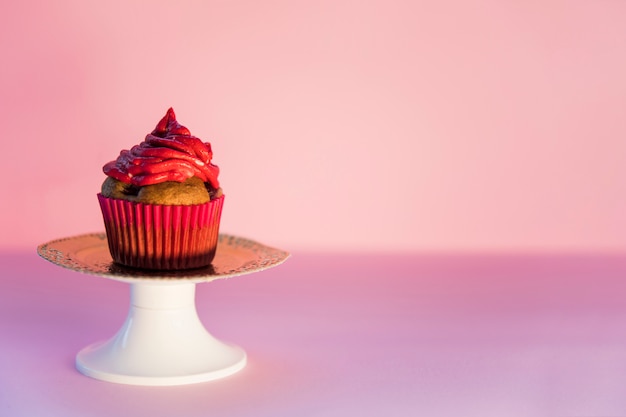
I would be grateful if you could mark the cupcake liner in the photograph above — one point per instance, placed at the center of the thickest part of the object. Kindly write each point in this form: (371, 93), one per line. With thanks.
(152, 236)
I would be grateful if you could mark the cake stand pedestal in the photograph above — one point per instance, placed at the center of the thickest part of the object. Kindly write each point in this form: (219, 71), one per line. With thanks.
(162, 341)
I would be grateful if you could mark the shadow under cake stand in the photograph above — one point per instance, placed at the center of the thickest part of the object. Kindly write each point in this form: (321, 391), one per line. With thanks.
(162, 341)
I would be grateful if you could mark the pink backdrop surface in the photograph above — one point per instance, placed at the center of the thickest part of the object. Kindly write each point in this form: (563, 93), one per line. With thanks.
(340, 335)
(393, 125)
(371, 126)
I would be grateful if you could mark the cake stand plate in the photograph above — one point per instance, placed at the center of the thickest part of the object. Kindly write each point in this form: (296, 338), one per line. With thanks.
(162, 341)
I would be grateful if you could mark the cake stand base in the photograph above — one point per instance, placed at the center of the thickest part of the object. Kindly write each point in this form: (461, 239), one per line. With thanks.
(162, 342)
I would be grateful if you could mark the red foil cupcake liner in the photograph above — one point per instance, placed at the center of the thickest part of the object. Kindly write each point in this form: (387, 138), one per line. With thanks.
(152, 236)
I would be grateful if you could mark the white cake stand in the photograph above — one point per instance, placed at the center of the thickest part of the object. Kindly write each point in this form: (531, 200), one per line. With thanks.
(162, 342)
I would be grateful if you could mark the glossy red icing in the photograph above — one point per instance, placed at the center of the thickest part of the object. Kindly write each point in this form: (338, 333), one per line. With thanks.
(169, 153)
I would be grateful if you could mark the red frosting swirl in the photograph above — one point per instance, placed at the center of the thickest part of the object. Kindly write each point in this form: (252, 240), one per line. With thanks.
(169, 153)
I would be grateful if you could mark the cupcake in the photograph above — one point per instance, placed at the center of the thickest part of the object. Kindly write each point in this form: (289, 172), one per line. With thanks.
(161, 201)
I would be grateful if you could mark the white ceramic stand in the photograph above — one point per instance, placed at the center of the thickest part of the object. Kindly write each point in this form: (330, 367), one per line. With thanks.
(162, 342)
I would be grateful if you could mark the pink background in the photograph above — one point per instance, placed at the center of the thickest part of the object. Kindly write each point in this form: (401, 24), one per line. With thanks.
(396, 129)
(374, 125)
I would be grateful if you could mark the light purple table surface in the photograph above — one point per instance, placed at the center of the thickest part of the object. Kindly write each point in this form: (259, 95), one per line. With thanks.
(331, 334)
